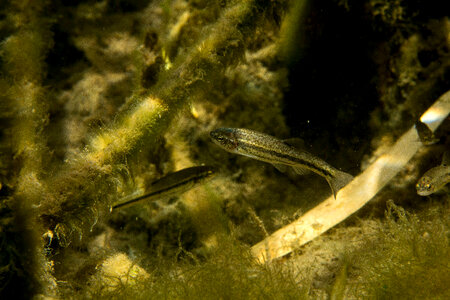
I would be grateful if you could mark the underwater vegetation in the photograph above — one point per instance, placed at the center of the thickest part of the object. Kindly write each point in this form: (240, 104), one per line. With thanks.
(110, 103)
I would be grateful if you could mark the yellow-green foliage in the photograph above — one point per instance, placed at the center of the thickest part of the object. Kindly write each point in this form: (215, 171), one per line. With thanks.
(291, 35)
(23, 70)
(25, 50)
(191, 57)
(78, 194)
(338, 289)
(406, 256)
(409, 259)
(229, 273)
(23, 54)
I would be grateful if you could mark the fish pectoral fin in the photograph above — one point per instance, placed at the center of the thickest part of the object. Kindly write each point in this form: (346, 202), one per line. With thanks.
(280, 167)
(297, 170)
(339, 180)
(301, 171)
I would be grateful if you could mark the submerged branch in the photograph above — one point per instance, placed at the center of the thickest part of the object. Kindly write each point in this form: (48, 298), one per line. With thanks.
(353, 196)
(78, 195)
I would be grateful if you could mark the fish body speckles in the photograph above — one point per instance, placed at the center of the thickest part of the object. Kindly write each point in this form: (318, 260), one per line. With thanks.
(267, 148)
(433, 180)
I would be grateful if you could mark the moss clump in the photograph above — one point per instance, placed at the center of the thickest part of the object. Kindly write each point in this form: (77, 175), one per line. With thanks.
(409, 258)
(406, 255)
(228, 273)
(22, 265)
(74, 196)
(130, 93)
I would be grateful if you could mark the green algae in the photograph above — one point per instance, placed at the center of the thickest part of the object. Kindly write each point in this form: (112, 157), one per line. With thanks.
(120, 98)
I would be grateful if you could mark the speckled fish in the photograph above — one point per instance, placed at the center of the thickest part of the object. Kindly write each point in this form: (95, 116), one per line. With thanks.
(171, 185)
(435, 179)
(426, 135)
(267, 148)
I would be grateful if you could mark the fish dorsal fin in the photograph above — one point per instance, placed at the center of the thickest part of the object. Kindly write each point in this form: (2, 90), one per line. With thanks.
(295, 143)
(446, 158)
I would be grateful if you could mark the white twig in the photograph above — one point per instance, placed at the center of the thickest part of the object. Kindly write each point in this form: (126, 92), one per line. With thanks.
(353, 196)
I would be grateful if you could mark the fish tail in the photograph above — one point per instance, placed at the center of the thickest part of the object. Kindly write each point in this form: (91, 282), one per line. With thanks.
(338, 181)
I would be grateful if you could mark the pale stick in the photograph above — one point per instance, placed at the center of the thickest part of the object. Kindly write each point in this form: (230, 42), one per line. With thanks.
(353, 196)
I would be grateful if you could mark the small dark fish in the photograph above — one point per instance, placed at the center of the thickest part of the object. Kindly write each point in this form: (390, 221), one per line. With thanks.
(171, 185)
(435, 178)
(426, 135)
(267, 148)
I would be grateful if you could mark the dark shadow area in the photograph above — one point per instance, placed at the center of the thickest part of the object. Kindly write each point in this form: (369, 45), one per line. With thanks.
(332, 88)
(62, 55)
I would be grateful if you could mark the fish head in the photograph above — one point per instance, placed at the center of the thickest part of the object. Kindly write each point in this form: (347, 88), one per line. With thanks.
(225, 138)
(425, 186)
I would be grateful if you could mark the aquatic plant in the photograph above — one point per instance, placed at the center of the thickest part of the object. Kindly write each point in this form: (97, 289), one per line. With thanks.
(66, 203)
(24, 101)
(99, 98)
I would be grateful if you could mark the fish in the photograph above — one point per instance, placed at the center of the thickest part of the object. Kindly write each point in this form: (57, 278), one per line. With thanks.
(171, 185)
(435, 178)
(425, 134)
(269, 149)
